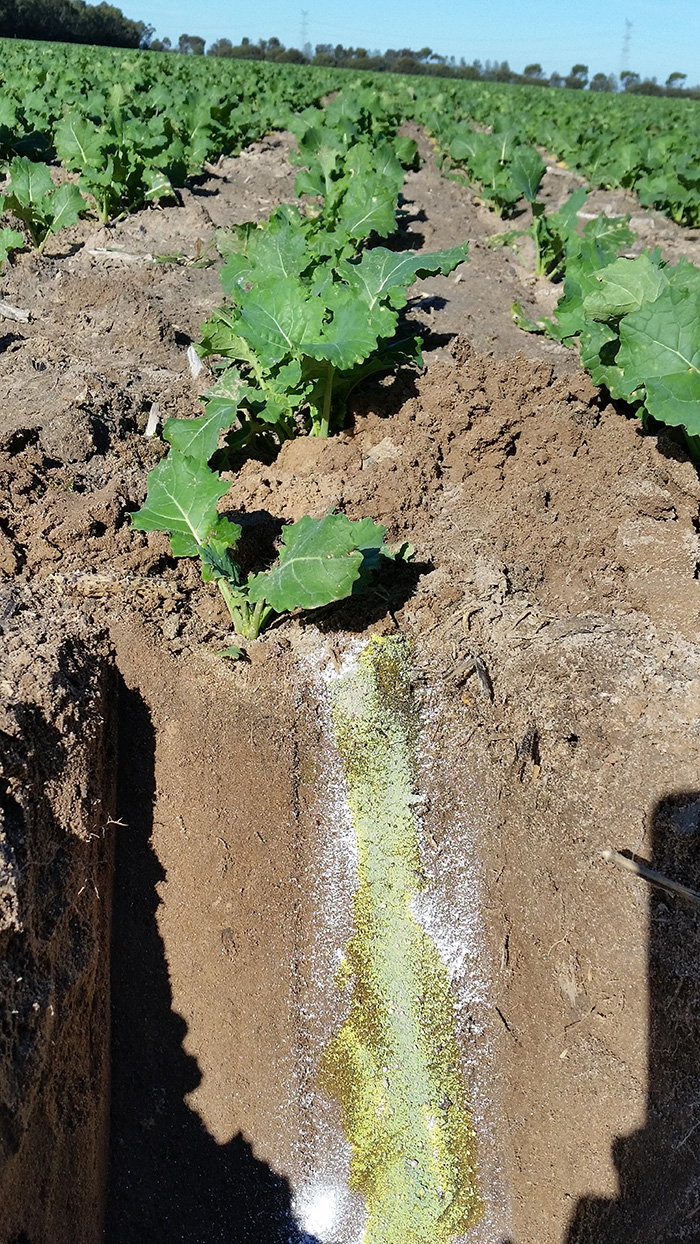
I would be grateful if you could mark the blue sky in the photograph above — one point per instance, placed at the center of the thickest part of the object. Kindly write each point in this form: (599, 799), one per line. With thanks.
(665, 37)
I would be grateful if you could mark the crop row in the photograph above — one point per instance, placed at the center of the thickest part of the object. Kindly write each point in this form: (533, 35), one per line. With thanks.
(634, 320)
(640, 143)
(136, 124)
(312, 309)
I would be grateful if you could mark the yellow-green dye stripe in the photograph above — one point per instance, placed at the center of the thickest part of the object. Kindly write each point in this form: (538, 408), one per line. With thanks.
(394, 1064)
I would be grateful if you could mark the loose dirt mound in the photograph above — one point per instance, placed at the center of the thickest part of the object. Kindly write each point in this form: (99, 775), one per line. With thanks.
(553, 605)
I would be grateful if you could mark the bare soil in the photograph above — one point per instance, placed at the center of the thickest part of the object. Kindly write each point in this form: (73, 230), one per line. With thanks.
(557, 545)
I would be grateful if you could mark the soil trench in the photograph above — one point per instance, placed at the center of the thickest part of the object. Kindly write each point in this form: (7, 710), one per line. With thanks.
(236, 865)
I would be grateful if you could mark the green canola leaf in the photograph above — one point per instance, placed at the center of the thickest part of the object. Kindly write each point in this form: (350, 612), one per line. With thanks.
(369, 206)
(280, 320)
(599, 344)
(156, 184)
(368, 534)
(310, 183)
(223, 537)
(373, 179)
(222, 540)
(30, 182)
(199, 437)
(527, 169)
(352, 334)
(570, 316)
(183, 545)
(610, 233)
(233, 652)
(684, 275)
(564, 220)
(386, 163)
(10, 240)
(318, 563)
(675, 400)
(623, 287)
(523, 322)
(78, 141)
(40, 206)
(371, 538)
(221, 335)
(406, 151)
(381, 273)
(103, 178)
(65, 206)
(182, 497)
(327, 158)
(269, 253)
(555, 233)
(8, 115)
(661, 340)
(464, 147)
(582, 272)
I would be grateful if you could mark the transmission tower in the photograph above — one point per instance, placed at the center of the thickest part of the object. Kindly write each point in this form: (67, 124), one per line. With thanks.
(304, 28)
(625, 57)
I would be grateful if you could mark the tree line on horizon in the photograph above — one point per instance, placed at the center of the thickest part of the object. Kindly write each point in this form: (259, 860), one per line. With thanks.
(428, 62)
(75, 21)
(72, 21)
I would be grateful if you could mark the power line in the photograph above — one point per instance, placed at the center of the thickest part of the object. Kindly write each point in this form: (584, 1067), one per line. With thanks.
(625, 56)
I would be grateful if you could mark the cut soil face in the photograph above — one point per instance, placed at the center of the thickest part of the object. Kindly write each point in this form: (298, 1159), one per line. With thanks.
(57, 748)
(208, 909)
(554, 613)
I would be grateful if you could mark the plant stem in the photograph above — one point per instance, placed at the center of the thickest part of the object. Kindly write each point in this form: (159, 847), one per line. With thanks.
(324, 427)
(247, 621)
(232, 604)
(538, 227)
(261, 613)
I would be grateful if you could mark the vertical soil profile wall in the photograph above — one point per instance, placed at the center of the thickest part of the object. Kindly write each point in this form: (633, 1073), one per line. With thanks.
(57, 717)
(210, 914)
(236, 867)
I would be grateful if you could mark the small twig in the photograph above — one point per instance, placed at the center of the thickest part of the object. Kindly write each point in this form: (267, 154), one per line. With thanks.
(467, 617)
(648, 874)
(113, 252)
(195, 362)
(153, 420)
(13, 313)
(523, 616)
(688, 1135)
(502, 1018)
(483, 675)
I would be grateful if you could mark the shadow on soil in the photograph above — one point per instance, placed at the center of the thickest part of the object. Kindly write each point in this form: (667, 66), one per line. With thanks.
(169, 1179)
(658, 1166)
